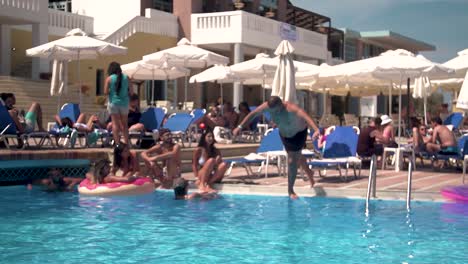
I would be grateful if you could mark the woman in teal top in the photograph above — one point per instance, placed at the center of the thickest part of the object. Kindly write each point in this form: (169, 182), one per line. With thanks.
(117, 90)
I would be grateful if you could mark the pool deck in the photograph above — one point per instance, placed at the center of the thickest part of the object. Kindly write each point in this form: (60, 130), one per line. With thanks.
(426, 184)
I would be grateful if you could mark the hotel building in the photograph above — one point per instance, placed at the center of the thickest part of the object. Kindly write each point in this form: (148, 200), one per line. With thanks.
(238, 29)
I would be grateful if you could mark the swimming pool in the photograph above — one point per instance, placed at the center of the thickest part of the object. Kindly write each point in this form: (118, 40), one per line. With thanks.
(39, 227)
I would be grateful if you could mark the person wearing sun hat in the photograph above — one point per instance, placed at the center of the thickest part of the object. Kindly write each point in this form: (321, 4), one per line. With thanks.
(388, 137)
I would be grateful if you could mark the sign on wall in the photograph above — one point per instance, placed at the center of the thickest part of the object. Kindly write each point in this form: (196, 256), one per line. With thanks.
(288, 32)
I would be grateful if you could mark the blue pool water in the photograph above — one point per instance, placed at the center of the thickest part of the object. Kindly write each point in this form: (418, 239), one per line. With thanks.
(39, 227)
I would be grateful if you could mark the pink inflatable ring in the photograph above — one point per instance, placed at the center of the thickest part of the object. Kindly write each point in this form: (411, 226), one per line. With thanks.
(456, 193)
(139, 186)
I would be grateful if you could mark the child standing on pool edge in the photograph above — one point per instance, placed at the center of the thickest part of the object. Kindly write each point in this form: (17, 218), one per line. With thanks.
(117, 89)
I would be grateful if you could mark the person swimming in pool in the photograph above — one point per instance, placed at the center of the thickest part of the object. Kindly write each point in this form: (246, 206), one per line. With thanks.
(292, 122)
(56, 182)
(181, 192)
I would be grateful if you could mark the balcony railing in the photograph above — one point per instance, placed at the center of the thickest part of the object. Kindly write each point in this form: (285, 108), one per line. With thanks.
(154, 22)
(258, 31)
(23, 11)
(61, 22)
(30, 5)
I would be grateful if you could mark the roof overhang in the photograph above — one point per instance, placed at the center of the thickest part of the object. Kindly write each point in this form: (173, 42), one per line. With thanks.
(392, 40)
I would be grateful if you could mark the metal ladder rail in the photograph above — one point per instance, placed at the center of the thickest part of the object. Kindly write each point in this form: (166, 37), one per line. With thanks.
(371, 185)
(408, 191)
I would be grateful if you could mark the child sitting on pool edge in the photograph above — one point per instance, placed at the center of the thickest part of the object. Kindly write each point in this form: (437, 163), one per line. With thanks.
(181, 191)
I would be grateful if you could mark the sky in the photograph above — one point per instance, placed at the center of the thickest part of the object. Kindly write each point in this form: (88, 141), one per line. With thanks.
(442, 23)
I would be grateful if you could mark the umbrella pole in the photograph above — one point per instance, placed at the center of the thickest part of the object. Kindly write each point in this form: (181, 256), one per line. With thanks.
(399, 111)
(222, 99)
(425, 108)
(185, 89)
(263, 96)
(390, 100)
(79, 78)
(152, 87)
(409, 102)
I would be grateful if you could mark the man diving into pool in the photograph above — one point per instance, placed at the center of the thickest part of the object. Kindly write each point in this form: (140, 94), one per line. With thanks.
(292, 122)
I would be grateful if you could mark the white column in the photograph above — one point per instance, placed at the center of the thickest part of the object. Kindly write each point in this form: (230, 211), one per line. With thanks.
(5, 50)
(40, 34)
(238, 96)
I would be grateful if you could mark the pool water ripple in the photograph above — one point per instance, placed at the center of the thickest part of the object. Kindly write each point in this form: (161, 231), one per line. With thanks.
(39, 227)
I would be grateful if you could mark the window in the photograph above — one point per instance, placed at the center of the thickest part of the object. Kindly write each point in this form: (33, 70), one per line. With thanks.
(350, 50)
(163, 5)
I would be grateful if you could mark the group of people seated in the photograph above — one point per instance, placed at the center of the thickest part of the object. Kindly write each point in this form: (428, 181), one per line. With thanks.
(435, 139)
(222, 119)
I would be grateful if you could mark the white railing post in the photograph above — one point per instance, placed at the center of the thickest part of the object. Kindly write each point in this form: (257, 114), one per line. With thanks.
(371, 185)
(408, 191)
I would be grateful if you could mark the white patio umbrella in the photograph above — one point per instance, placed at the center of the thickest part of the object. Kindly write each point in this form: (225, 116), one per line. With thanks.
(139, 70)
(218, 73)
(390, 67)
(75, 46)
(399, 65)
(284, 83)
(263, 67)
(185, 55)
(460, 65)
(462, 100)
(223, 74)
(393, 66)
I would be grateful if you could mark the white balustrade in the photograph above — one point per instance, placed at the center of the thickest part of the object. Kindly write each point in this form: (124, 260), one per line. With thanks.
(32, 10)
(254, 30)
(61, 22)
(155, 22)
(30, 5)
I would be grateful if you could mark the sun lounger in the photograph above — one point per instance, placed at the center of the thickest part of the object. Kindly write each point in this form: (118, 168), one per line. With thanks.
(339, 152)
(179, 124)
(10, 135)
(271, 149)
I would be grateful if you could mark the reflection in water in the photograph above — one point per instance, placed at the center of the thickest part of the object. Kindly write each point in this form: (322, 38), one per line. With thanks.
(456, 208)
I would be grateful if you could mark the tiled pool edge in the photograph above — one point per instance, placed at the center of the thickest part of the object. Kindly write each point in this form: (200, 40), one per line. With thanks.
(245, 189)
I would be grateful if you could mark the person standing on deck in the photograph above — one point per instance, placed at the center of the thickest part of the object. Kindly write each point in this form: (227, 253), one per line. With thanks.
(117, 89)
(292, 122)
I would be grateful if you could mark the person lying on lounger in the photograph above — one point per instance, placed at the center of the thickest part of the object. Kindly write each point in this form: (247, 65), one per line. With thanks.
(81, 125)
(27, 123)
